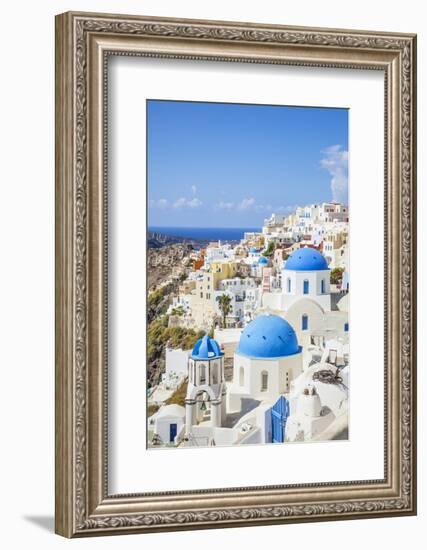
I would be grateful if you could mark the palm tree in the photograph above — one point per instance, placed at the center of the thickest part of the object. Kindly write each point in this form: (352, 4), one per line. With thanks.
(224, 304)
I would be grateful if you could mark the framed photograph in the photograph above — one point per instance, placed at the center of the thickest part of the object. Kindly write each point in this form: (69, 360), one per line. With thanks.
(235, 274)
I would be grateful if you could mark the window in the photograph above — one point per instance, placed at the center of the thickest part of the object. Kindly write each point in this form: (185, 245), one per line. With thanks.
(242, 376)
(289, 285)
(264, 380)
(202, 374)
(322, 286)
(304, 322)
(214, 374)
(345, 327)
(306, 286)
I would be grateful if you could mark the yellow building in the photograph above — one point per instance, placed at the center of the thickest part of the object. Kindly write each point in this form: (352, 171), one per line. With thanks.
(202, 308)
(202, 302)
(257, 241)
(222, 270)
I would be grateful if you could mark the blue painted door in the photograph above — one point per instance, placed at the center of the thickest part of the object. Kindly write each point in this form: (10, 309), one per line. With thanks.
(172, 432)
(279, 416)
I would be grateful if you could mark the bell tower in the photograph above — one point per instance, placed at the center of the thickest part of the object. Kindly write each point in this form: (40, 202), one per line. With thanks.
(206, 384)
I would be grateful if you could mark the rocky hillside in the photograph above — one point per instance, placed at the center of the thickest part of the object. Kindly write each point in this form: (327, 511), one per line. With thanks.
(158, 240)
(168, 263)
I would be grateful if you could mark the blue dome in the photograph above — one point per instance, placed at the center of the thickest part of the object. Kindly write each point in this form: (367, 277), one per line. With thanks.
(253, 250)
(306, 259)
(206, 348)
(268, 336)
(263, 260)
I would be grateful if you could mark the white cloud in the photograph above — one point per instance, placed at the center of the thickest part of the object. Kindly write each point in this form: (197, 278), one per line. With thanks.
(250, 203)
(263, 207)
(161, 203)
(225, 205)
(194, 203)
(182, 202)
(246, 203)
(335, 161)
(194, 189)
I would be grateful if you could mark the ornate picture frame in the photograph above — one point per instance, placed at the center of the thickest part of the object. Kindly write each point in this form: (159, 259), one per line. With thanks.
(84, 42)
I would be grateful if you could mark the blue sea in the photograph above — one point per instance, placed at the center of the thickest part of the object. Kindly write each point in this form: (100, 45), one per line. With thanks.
(205, 233)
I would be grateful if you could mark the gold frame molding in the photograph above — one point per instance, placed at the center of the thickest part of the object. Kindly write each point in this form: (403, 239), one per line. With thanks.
(83, 43)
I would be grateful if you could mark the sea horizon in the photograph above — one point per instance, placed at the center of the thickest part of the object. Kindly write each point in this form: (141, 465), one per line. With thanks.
(204, 233)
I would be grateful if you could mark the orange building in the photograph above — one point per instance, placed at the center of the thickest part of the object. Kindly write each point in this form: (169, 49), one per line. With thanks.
(200, 260)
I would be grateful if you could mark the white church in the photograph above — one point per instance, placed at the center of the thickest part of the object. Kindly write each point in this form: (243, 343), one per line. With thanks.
(304, 299)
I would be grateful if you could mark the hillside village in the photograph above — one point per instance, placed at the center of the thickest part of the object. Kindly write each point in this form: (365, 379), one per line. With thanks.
(248, 341)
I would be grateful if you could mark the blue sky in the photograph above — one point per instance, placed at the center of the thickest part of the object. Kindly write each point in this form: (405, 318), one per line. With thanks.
(232, 165)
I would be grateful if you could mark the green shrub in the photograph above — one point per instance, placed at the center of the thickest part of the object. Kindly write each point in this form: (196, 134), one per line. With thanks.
(336, 275)
(270, 249)
(178, 397)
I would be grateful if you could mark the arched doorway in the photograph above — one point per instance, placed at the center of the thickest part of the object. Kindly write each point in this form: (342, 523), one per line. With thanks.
(200, 402)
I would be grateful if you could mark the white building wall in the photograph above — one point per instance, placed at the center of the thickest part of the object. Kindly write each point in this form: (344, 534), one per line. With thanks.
(309, 405)
(296, 291)
(248, 377)
(162, 426)
(315, 318)
(215, 254)
(304, 428)
(335, 322)
(183, 300)
(273, 301)
(176, 361)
